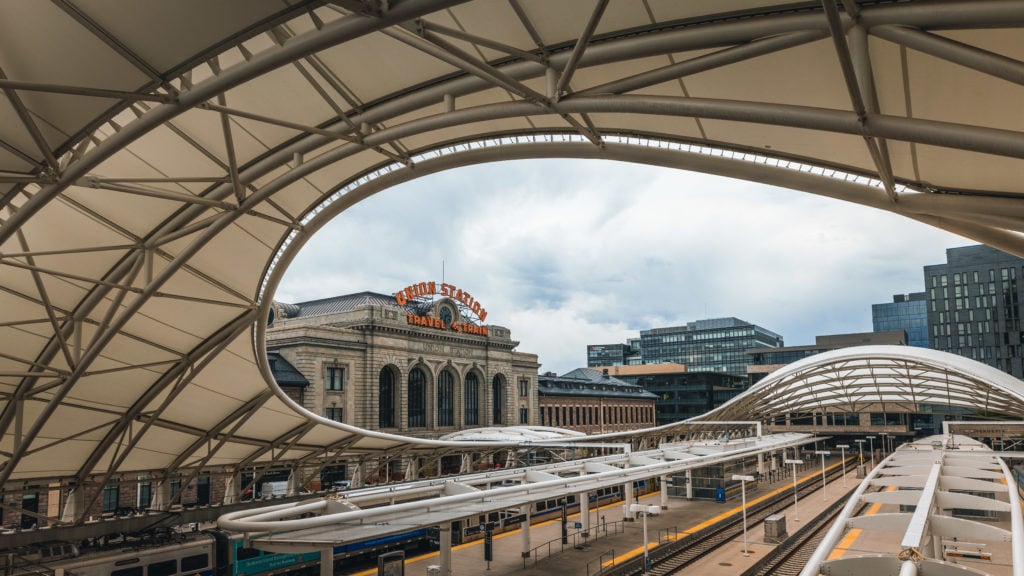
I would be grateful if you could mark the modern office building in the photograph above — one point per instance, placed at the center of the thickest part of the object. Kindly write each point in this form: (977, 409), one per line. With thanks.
(713, 345)
(974, 306)
(610, 355)
(681, 394)
(594, 402)
(420, 363)
(907, 312)
(764, 361)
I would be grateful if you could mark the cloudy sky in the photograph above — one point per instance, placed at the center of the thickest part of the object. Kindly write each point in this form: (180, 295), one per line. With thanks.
(567, 253)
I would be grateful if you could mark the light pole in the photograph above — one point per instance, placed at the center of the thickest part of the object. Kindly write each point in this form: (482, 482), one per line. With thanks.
(796, 501)
(743, 490)
(823, 454)
(871, 440)
(843, 448)
(645, 511)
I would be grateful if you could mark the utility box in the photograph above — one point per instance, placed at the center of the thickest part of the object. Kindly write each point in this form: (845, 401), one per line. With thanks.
(775, 528)
(862, 471)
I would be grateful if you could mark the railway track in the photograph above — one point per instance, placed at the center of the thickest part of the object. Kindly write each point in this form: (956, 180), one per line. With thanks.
(673, 557)
(790, 557)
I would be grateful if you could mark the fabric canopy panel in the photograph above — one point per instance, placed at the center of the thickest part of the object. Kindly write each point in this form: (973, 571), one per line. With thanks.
(161, 164)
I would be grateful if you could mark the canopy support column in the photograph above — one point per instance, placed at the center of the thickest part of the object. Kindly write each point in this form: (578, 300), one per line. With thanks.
(446, 548)
(525, 529)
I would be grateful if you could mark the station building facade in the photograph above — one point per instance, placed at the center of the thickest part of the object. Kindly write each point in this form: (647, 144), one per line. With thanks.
(594, 402)
(420, 363)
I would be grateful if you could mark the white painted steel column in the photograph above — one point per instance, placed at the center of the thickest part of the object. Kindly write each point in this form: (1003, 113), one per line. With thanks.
(627, 499)
(689, 485)
(292, 488)
(525, 530)
(232, 488)
(446, 548)
(584, 498)
(327, 562)
(664, 492)
(74, 506)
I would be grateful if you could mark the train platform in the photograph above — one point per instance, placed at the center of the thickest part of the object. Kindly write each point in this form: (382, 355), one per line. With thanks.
(615, 541)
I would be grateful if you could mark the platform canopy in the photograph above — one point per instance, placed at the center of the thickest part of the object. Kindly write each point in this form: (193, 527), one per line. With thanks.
(880, 379)
(161, 162)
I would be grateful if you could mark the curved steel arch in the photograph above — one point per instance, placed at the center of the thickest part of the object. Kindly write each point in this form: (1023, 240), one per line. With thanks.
(136, 251)
(878, 375)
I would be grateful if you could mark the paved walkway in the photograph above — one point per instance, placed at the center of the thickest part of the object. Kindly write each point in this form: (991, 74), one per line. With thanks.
(624, 540)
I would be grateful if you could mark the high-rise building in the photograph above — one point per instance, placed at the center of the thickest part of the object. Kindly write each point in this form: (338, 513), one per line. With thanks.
(713, 345)
(974, 306)
(907, 312)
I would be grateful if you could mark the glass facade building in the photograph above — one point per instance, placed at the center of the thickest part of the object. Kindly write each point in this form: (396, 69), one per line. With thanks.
(607, 355)
(688, 394)
(907, 312)
(974, 306)
(715, 345)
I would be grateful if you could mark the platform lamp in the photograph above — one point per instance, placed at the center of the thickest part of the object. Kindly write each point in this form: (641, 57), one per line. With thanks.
(796, 500)
(645, 511)
(843, 448)
(860, 446)
(885, 442)
(823, 482)
(743, 490)
(871, 440)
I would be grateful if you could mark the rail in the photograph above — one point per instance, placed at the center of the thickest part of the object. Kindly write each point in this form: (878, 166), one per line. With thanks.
(672, 557)
(574, 540)
(786, 555)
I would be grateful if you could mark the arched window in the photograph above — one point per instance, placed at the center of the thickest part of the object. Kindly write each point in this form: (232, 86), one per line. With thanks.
(445, 399)
(386, 398)
(417, 398)
(498, 395)
(472, 400)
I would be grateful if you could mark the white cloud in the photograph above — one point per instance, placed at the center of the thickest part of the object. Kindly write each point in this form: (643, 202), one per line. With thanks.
(568, 253)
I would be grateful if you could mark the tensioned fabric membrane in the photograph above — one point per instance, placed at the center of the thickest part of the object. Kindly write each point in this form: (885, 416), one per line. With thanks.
(161, 162)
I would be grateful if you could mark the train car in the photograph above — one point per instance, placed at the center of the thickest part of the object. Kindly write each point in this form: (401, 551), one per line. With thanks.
(209, 553)
(218, 553)
(193, 557)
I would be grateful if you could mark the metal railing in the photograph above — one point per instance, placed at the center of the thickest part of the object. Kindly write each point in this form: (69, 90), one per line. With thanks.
(574, 540)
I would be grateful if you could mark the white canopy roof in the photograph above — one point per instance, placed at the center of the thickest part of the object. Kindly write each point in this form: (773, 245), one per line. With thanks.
(157, 157)
(876, 378)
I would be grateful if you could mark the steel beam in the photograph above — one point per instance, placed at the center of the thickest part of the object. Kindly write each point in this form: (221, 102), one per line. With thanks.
(577, 52)
(950, 50)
